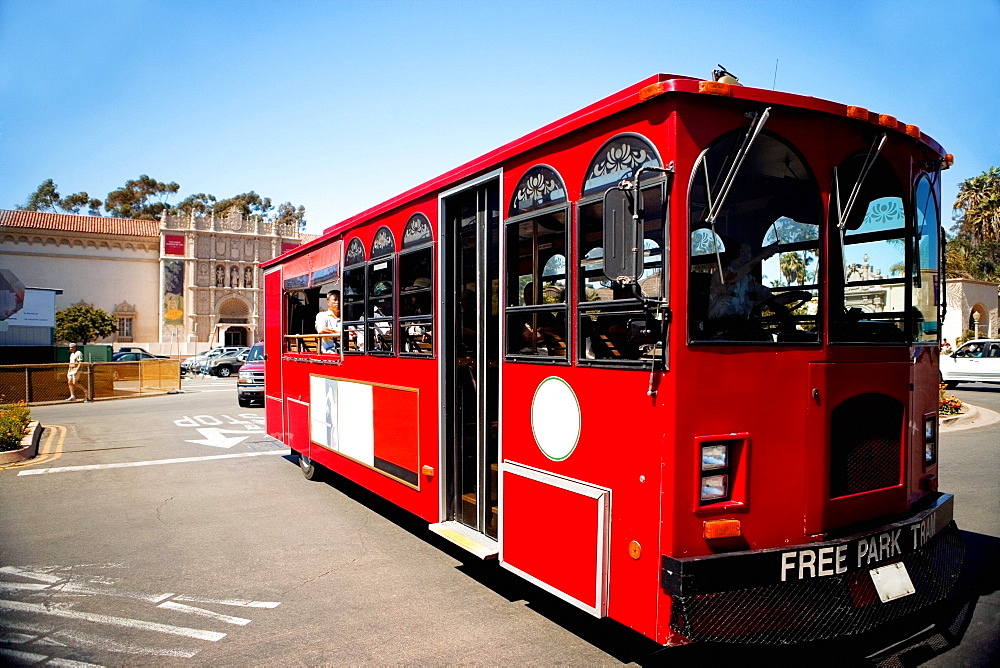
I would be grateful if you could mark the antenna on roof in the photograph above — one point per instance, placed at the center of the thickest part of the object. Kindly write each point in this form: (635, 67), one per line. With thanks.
(775, 82)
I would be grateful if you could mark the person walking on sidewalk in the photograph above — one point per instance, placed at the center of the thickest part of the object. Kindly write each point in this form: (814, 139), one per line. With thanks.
(73, 372)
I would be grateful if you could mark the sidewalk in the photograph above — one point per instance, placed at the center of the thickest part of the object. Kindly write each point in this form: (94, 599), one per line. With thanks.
(973, 417)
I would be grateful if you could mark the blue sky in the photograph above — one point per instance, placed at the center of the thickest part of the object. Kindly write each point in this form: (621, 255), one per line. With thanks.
(338, 106)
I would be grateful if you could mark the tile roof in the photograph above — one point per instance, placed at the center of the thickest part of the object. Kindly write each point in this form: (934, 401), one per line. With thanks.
(89, 224)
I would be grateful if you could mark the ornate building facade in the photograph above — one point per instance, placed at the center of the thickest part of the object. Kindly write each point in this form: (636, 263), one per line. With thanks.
(212, 288)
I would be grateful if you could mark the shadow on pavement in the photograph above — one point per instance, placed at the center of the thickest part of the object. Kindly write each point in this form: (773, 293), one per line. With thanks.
(933, 632)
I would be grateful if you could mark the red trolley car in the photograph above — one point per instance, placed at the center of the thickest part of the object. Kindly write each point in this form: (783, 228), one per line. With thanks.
(673, 358)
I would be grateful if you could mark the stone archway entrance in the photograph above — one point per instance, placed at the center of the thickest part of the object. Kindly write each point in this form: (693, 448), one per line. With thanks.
(233, 327)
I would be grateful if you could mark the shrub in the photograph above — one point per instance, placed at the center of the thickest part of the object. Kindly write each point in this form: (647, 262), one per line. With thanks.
(948, 404)
(14, 420)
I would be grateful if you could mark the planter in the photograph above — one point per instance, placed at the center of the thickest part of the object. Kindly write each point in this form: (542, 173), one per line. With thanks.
(29, 445)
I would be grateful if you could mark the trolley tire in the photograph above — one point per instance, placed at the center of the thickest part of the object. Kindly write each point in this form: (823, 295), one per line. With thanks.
(310, 469)
(225, 372)
(950, 384)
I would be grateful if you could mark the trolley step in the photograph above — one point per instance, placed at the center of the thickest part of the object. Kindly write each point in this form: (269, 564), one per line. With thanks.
(478, 544)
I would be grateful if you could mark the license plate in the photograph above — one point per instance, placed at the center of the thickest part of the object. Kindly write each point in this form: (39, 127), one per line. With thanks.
(892, 582)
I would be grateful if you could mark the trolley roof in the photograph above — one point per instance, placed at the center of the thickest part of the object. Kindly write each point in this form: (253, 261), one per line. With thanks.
(643, 91)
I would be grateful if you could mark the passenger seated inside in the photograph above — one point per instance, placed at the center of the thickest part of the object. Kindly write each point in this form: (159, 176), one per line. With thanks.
(328, 324)
(733, 294)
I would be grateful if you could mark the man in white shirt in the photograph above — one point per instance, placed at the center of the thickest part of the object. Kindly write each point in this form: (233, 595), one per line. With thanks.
(73, 372)
(328, 324)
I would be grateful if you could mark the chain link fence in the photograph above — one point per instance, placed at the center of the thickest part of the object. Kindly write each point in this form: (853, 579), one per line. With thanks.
(40, 383)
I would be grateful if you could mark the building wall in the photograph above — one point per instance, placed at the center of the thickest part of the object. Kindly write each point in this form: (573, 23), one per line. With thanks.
(121, 266)
(104, 271)
(966, 296)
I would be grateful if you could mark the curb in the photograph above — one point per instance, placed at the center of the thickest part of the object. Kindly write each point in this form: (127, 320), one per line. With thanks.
(29, 445)
(974, 417)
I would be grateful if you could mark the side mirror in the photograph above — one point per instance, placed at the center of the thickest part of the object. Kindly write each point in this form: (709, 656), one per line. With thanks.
(623, 235)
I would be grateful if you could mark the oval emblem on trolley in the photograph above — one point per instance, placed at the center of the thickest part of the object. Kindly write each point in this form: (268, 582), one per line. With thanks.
(555, 418)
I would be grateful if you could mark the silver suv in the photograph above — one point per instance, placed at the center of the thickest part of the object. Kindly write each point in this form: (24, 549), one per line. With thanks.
(194, 364)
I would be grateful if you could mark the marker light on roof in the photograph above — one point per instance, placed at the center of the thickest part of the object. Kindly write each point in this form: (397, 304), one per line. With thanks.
(715, 88)
(859, 113)
(651, 91)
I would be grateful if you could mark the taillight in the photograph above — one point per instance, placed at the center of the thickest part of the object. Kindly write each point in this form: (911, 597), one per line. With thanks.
(930, 439)
(715, 460)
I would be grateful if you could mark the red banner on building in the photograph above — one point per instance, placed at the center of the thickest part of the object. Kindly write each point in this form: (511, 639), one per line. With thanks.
(173, 244)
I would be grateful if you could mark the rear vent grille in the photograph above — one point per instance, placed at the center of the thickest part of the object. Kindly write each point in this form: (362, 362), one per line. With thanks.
(865, 444)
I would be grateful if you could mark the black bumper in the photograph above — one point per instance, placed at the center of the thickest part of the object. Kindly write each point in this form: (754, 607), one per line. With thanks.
(814, 591)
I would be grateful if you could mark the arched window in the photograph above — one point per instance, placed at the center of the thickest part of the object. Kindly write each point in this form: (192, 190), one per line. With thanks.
(416, 288)
(612, 324)
(353, 300)
(620, 158)
(537, 248)
(540, 187)
(381, 292)
(755, 252)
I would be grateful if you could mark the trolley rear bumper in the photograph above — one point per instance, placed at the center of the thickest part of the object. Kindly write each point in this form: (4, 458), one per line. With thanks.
(818, 590)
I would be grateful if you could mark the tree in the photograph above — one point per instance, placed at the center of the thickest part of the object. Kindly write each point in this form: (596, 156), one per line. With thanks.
(82, 323)
(73, 203)
(133, 200)
(289, 214)
(978, 207)
(248, 204)
(974, 251)
(199, 204)
(44, 198)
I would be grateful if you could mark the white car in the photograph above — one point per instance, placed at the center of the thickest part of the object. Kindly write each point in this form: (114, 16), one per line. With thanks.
(976, 361)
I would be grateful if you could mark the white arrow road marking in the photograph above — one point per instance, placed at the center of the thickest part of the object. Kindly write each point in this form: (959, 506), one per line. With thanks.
(190, 609)
(198, 634)
(122, 465)
(214, 437)
(228, 601)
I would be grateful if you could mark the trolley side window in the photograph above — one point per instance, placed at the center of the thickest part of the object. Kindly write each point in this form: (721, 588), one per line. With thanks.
(755, 259)
(381, 293)
(416, 296)
(925, 290)
(537, 241)
(311, 289)
(354, 298)
(612, 321)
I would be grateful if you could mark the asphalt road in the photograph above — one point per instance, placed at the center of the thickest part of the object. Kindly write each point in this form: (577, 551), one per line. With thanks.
(171, 530)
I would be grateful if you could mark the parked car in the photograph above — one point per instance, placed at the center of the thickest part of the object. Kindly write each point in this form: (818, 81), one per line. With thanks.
(250, 382)
(976, 361)
(194, 364)
(134, 356)
(224, 365)
(136, 349)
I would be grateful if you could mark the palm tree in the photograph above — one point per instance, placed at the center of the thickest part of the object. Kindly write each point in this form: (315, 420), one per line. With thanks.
(794, 268)
(978, 207)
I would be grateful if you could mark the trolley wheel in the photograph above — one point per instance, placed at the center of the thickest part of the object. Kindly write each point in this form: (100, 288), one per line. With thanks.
(310, 469)
(950, 384)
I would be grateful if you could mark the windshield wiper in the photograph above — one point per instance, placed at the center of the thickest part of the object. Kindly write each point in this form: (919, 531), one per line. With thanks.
(870, 159)
(715, 208)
